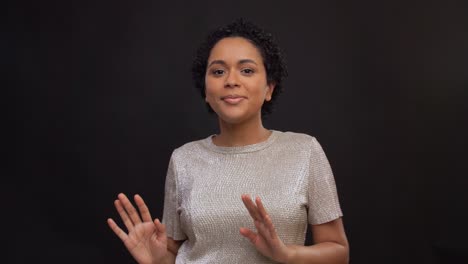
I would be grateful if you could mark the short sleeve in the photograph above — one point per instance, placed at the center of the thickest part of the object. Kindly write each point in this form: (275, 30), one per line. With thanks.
(323, 200)
(171, 215)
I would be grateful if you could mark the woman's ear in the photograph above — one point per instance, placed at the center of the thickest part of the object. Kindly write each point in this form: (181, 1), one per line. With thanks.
(270, 88)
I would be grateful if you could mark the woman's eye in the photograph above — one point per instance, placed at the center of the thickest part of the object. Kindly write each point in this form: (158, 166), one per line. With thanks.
(248, 71)
(217, 72)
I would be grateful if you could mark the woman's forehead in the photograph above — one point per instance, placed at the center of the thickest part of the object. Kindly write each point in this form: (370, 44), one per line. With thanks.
(235, 49)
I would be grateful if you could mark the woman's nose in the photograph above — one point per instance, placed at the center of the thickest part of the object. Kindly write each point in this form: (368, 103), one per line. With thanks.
(231, 80)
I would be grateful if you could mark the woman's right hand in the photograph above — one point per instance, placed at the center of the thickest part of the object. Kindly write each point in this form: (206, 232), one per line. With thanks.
(146, 239)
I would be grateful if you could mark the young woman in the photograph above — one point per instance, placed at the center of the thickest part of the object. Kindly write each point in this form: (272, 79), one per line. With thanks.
(210, 213)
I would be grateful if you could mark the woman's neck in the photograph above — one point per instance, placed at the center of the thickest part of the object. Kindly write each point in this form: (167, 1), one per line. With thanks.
(241, 134)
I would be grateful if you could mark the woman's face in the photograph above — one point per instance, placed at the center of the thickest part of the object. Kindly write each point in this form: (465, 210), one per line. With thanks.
(236, 80)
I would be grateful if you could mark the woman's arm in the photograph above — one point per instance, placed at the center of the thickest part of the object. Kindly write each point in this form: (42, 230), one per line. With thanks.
(330, 246)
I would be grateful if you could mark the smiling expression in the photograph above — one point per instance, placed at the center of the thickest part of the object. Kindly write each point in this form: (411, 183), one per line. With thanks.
(236, 80)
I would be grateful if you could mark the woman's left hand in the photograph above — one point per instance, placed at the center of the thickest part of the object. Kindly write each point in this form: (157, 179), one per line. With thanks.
(266, 240)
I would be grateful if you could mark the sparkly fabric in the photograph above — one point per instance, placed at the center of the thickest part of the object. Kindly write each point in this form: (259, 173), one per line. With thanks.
(289, 172)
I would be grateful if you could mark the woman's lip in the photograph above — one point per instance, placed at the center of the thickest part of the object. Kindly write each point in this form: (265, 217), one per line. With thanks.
(233, 100)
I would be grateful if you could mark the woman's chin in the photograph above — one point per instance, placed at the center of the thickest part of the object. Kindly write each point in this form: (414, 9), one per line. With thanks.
(233, 118)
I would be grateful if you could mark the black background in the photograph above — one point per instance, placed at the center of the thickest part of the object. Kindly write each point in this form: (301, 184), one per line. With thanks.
(102, 94)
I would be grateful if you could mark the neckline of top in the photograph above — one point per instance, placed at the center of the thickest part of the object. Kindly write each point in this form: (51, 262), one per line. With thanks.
(241, 149)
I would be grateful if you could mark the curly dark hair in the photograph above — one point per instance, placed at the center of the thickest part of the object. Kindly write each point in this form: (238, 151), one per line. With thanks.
(271, 54)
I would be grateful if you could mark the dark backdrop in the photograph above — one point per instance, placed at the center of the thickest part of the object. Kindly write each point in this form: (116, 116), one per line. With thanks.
(102, 94)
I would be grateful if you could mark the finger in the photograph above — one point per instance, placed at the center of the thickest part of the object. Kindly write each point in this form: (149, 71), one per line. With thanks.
(253, 211)
(266, 218)
(251, 235)
(132, 213)
(261, 208)
(271, 228)
(263, 230)
(144, 211)
(160, 228)
(123, 215)
(117, 230)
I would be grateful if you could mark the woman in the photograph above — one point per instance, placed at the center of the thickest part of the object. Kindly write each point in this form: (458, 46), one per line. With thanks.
(209, 215)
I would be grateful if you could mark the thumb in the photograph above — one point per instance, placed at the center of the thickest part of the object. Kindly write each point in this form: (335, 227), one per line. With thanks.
(160, 230)
(252, 236)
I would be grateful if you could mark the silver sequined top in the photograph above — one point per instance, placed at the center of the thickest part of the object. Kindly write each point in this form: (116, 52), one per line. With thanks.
(289, 172)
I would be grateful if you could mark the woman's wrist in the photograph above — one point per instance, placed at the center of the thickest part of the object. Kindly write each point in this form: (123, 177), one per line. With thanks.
(169, 258)
(291, 252)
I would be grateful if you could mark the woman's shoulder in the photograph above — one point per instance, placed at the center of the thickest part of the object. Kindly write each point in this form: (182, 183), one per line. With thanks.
(296, 137)
(190, 148)
(301, 142)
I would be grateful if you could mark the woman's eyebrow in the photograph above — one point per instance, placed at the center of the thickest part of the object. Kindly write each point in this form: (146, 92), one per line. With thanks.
(225, 64)
(247, 61)
(218, 62)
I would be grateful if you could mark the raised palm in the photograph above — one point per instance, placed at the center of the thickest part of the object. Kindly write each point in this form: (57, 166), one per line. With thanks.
(146, 239)
(266, 240)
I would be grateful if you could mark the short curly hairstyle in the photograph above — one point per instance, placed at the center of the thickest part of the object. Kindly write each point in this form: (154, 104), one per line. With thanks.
(272, 56)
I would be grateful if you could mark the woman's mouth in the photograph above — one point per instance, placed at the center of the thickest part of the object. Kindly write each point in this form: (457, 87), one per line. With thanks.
(233, 99)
